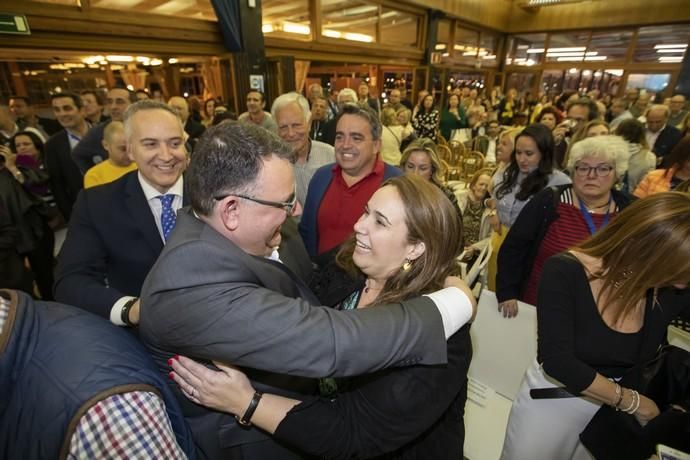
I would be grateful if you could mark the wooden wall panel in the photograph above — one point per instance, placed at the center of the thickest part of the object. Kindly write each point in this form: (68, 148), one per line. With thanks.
(70, 28)
(599, 14)
(508, 16)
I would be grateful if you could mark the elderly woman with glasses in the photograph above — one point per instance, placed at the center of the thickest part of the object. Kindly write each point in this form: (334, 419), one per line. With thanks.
(561, 217)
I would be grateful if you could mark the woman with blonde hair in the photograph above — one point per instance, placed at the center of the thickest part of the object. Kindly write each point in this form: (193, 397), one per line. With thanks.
(475, 223)
(603, 308)
(392, 136)
(421, 158)
(505, 147)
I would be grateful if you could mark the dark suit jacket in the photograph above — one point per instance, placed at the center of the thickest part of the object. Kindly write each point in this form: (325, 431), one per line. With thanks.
(208, 299)
(194, 128)
(323, 131)
(668, 138)
(89, 151)
(65, 179)
(112, 243)
(49, 125)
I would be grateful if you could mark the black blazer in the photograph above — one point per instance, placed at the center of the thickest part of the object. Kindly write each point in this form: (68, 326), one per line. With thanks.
(111, 245)
(65, 178)
(668, 138)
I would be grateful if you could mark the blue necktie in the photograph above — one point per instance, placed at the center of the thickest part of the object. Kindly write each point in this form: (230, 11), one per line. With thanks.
(167, 215)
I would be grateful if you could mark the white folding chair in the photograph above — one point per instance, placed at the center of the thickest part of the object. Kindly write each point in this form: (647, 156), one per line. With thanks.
(471, 274)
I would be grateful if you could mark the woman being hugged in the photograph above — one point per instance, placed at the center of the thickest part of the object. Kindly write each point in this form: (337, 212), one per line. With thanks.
(602, 309)
(558, 218)
(531, 170)
(405, 244)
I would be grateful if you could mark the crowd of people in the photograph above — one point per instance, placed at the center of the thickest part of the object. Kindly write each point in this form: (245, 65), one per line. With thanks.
(297, 266)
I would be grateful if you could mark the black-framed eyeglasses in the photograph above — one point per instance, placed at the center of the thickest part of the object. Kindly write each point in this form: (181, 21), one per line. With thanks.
(288, 206)
(599, 170)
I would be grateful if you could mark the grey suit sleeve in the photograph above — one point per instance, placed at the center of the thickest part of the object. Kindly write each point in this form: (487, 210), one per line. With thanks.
(212, 314)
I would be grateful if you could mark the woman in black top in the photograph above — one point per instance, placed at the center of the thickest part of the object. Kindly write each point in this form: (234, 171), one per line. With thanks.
(406, 243)
(603, 308)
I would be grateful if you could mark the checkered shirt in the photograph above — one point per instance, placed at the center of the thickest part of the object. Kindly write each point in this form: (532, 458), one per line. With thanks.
(130, 425)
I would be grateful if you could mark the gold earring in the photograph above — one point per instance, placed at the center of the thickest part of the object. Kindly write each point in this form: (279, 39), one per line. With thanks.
(407, 265)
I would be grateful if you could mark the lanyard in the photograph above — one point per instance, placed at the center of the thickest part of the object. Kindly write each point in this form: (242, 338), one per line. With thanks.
(588, 217)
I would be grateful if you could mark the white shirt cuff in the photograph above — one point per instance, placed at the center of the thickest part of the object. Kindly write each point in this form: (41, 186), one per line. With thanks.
(455, 308)
(116, 311)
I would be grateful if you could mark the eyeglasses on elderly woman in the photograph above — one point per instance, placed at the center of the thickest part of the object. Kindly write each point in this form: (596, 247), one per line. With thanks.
(601, 170)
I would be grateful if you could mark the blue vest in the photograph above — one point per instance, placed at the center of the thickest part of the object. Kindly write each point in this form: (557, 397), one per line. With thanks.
(59, 361)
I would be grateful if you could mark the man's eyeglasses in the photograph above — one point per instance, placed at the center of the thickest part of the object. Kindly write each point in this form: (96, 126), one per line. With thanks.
(288, 206)
(600, 170)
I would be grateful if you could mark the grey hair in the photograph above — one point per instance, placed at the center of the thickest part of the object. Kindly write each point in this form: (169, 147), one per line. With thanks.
(146, 104)
(290, 98)
(610, 148)
(347, 91)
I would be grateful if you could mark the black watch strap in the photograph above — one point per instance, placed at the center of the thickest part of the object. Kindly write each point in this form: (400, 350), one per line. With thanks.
(124, 313)
(247, 417)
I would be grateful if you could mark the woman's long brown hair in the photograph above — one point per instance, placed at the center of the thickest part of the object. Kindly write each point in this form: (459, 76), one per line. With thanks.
(646, 246)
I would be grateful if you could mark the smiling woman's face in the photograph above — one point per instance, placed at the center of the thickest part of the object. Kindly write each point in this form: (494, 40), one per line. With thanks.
(381, 233)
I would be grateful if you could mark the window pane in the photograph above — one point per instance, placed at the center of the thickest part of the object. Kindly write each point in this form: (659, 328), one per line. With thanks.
(526, 49)
(350, 20)
(666, 44)
(443, 38)
(652, 82)
(520, 81)
(399, 28)
(58, 2)
(488, 47)
(567, 47)
(182, 8)
(552, 82)
(286, 19)
(466, 45)
(609, 46)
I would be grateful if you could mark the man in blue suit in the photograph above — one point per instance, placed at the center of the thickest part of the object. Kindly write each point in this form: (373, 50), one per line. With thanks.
(118, 230)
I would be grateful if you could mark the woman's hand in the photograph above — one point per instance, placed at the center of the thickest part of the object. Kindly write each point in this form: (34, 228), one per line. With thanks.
(647, 410)
(227, 390)
(495, 223)
(509, 308)
(10, 158)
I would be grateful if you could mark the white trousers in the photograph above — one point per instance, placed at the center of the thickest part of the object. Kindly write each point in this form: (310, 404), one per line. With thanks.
(546, 429)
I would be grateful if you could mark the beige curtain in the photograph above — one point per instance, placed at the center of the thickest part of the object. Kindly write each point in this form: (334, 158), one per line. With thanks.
(301, 71)
(210, 72)
(134, 76)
